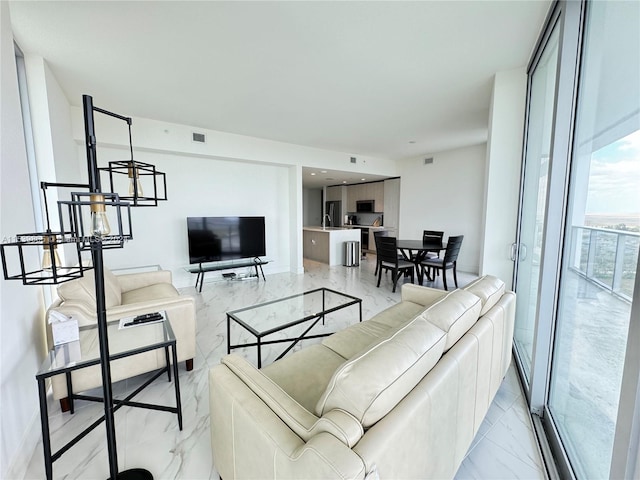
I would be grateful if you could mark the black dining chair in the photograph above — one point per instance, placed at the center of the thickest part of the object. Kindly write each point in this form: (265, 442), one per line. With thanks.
(387, 252)
(376, 234)
(447, 263)
(432, 236)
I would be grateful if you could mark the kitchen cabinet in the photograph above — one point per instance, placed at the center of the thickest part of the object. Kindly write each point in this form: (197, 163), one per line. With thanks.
(392, 203)
(354, 193)
(376, 191)
(334, 194)
(327, 245)
(365, 191)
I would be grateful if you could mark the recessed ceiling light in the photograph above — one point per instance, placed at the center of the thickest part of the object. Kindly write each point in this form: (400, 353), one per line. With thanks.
(312, 173)
(323, 171)
(363, 179)
(344, 181)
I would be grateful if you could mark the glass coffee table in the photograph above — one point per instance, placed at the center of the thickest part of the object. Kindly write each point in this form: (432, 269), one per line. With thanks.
(85, 352)
(304, 309)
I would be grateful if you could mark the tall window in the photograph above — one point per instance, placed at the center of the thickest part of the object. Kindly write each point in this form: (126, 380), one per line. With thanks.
(602, 239)
(534, 196)
(581, 284)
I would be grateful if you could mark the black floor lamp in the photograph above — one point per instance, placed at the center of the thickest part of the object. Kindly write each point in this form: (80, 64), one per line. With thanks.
(93, 236)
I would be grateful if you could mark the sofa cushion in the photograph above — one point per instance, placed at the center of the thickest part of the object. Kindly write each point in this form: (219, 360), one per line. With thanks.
(151, 292)
(84, 289)
(354, 339)
(489, 288)
(399, 314)
(304, 375)
(455, 314)
(369, 385)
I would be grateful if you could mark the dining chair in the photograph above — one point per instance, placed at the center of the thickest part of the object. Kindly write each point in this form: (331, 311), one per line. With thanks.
(447, 263)
(432, 236)
(376, 234)
(387, 252)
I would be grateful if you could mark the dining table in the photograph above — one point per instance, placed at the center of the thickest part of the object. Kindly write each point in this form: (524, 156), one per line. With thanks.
(416, 251)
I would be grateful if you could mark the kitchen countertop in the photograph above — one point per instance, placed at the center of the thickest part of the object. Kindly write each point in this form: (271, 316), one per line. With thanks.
(346, 227)
(325, 229)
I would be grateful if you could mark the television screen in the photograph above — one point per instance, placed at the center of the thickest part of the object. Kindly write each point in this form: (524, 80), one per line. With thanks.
(213, 239)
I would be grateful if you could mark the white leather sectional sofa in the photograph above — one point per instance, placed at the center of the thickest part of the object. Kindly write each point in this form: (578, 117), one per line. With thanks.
(126, 296)
(398, 396)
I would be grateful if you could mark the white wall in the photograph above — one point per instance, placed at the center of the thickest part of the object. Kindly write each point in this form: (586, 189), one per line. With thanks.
(204, 187)
(21, 308)
(228, 175)
(446, 195)
(504, 157)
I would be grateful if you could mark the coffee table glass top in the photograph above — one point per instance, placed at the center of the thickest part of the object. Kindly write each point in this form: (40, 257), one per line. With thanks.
(86, 351)
(285, 312)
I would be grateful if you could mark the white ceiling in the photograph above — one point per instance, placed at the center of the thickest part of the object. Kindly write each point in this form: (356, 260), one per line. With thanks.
(385, 79)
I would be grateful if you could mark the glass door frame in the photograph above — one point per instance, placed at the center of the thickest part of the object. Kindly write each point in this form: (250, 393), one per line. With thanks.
(565, 15)
(570, 17)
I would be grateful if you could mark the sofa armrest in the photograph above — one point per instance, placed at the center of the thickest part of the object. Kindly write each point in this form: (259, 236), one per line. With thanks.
(424, 296)
(249, 440)
(305, 424)
(133, 281)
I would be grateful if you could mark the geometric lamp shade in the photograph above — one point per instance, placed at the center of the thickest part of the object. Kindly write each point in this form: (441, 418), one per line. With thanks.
(29, 269)
(145, 185)
(96, 216)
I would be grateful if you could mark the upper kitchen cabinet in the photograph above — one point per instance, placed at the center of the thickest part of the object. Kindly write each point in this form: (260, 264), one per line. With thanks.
(392, 203)
(334, 194)
(365, 191)
(377, 194)
(354, 193)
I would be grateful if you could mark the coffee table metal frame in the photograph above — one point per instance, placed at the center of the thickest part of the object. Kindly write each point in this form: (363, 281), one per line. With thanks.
(47, 371)
(313, 320)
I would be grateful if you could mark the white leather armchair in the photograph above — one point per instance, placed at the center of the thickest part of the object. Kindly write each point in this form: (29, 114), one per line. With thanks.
(125, 296)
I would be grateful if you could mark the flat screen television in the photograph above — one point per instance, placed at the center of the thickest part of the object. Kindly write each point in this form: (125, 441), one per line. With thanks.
(213, 239)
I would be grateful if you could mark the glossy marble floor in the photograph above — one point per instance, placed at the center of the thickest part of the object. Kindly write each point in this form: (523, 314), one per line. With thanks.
(504, 448)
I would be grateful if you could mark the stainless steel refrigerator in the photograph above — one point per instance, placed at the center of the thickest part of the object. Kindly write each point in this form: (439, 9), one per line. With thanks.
(334, 210)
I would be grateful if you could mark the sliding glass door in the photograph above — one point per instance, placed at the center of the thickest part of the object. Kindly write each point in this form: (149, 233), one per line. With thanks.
(578, 247)
(602, 240)
(542, 88)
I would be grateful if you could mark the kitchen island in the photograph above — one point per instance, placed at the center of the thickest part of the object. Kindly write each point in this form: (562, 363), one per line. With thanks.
(326, 245)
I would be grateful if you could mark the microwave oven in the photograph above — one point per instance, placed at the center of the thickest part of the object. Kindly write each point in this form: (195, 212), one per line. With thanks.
(365, 206)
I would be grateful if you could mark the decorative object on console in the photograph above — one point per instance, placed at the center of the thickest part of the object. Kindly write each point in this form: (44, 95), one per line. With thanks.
(94, 237)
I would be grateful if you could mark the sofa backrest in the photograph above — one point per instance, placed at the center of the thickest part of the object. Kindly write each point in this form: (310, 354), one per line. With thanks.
(454, 314)
(489, 288)
(84, 290)
(371, 383)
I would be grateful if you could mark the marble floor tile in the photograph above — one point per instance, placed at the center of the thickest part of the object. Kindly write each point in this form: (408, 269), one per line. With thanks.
(504, 447)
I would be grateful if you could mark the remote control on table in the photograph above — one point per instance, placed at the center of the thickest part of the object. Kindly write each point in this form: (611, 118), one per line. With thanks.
(147, 317)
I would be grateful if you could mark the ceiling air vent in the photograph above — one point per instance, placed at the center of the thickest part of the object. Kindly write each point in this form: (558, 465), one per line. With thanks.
(198, 137)
(428, 161)
(353, 159)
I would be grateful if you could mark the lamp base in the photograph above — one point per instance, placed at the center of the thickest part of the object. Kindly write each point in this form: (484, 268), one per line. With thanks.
(135, 474)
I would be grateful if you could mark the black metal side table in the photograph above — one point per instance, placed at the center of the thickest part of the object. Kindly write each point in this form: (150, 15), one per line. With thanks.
(83, 353)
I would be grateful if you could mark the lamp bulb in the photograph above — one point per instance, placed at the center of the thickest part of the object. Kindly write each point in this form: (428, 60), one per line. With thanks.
(134, 184)
(99, 222)
(50, 258)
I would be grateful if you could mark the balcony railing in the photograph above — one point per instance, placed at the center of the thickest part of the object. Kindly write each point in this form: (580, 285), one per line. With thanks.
(606, 257)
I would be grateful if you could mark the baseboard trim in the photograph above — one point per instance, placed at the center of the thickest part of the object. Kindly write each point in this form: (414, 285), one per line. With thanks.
(20, 462)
